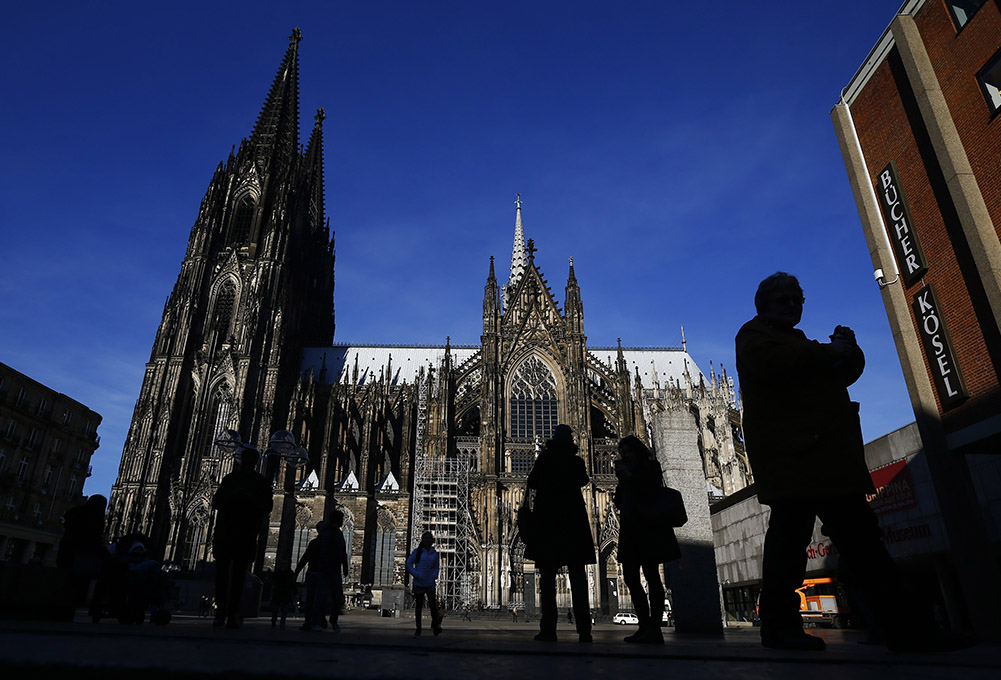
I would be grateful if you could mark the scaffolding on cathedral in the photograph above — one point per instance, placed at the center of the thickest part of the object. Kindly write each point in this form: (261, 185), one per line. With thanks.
(441, 506)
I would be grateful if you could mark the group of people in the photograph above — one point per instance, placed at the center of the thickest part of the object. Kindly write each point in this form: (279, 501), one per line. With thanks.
(558, 534)
(804, 444)
(128, 582)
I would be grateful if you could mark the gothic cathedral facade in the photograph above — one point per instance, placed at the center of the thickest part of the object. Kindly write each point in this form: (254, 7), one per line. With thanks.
(401, 438)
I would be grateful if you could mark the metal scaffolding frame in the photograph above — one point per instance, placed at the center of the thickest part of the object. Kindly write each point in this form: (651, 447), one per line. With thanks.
(441, 505)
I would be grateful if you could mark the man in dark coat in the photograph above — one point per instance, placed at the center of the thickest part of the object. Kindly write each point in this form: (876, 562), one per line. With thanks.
(242, 503)
(563, 531)
(804, 443)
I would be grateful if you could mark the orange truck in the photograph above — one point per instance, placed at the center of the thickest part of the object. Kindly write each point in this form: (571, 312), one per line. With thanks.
(819, 606)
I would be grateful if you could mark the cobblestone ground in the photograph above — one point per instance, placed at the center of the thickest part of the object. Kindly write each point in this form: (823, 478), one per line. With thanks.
(370, 646)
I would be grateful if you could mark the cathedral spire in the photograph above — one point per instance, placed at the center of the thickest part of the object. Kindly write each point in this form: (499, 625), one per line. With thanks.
(517, 253)
(314, 165)
(277, 128)
(573, 310)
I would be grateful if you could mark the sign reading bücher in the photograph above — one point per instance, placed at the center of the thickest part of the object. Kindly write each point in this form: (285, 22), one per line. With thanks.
(910, 259)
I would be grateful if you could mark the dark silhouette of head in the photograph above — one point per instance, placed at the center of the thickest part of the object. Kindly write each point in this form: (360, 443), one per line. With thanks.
(779, 300)
(249, 457)
(633, 447)
(97, 503)
(336, 518)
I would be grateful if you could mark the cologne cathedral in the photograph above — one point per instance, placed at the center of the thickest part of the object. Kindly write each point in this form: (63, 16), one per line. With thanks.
(401, 438)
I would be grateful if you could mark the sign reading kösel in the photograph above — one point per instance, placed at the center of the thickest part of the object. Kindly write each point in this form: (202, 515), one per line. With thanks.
(910, 258)
(938, 348)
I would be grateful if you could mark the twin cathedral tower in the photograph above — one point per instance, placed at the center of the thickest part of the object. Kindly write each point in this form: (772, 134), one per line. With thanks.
(400, 438)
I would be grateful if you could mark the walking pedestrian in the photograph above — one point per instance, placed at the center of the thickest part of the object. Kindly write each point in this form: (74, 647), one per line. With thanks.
(646, 540)
(423, 565)
(326, 559)
(242, 503)
(804, 443)
(82, 550)
(562, 531)
(282, 590)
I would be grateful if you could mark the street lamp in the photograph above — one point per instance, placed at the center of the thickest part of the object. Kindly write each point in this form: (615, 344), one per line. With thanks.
(282, 444)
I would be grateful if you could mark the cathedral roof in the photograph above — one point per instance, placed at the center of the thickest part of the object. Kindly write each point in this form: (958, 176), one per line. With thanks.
(670, 363)
(407, 360)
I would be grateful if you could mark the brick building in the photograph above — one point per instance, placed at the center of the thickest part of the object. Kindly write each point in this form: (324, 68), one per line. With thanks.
(46, 441)
(920, 135)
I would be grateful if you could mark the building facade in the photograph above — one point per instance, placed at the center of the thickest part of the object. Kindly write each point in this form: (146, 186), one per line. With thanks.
(920, 135)
(400, 438)
(255, 287)
(46, 443)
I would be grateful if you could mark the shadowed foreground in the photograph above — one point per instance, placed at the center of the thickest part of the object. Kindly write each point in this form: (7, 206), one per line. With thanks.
(374, 647)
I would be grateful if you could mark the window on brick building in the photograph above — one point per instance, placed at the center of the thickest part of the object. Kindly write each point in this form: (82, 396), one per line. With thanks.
(43, 404)
(990, 82)
(32, 439)
(963, 10)
(22, 468)
(22, 394)
(3, 459)
(67, 417)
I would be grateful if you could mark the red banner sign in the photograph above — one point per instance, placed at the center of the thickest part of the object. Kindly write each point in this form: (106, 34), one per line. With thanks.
(894, 489)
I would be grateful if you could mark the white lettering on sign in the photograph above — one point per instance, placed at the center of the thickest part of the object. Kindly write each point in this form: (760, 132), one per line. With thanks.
(945, 371)
(905, 241)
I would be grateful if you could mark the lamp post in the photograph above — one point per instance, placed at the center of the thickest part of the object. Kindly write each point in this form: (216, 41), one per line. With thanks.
(282, 444)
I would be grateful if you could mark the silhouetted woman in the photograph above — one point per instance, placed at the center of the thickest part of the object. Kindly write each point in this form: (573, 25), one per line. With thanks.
(423, 565)
(82, 550)
(563, 532)
(645, 540)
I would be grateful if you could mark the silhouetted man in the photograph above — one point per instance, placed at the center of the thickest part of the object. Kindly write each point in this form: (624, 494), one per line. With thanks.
(804, 443)
(242, 503)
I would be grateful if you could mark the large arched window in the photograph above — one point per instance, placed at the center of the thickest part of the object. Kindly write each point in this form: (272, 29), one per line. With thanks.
(222, 314)
(243, 219)
(534, 406)
(216, 420)
(384, 549)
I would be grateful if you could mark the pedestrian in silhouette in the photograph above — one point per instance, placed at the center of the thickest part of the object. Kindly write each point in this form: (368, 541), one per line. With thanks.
(423, 565)
(563, 532)
(242, 503)
(804, 443)
(204, 606)
(82, 550)
(646, 540)
(282, 590)
(325, 559)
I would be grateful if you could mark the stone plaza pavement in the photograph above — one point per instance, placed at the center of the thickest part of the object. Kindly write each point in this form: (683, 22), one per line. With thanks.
(369, 646)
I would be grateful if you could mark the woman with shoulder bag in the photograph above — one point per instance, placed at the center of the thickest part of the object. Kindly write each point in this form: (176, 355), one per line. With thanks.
(646, 539)
(423, 565)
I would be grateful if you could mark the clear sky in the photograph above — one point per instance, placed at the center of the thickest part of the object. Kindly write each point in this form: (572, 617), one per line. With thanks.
(679, 152)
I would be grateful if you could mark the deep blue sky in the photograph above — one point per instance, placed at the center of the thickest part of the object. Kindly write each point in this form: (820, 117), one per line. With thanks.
(680, 152)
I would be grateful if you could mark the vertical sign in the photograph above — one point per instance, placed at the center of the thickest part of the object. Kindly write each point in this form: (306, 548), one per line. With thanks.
(910, 258)
(938, 348)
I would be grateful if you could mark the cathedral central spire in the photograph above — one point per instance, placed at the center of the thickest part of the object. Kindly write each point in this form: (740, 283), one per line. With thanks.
(517, 253)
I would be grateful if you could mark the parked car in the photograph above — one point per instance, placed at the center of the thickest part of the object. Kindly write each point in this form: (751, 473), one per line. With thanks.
(622, 618)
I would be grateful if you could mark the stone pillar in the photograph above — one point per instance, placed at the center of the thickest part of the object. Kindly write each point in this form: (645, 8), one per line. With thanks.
(693, 579)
